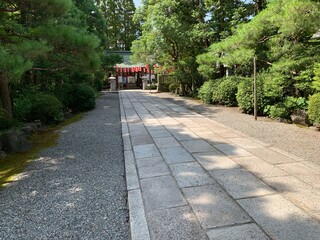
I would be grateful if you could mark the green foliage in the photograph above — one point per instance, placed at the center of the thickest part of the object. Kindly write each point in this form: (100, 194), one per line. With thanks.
(83, 98)
(316, 79)
(206, 90)
(293, 103)
(64, 92)
(314, 109)
(174, 87)
(98, 84)
(245, 96)
(279, 111)
(225, 93)
(5, 119)
(40, 106)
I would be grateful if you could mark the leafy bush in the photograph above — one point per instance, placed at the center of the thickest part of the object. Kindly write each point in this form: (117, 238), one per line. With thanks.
(206, 90)
(5, 119)
(314, 108)
(226, 91)
(98, 81)
(83, 98)
(293, 103)
(64, 92)
(245, 96)
(98, 84)
(279, 111)
(44, 107)
(173, 87)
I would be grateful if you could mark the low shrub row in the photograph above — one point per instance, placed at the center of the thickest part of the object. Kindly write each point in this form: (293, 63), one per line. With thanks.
(238, 91)
(33, 105)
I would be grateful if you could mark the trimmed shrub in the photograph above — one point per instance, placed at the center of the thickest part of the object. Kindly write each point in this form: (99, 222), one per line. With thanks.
(64, 92)
(293, 103)
(314, 108)
(245, 96)
(83, 98)
(174, 87)
(44, 107)
(206, 90)
(226, 92)
(98, 85)
(98, 81)
(279, 111)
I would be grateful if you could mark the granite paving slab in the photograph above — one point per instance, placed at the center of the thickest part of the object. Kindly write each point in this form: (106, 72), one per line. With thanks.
(159, 133)
(298, 169)
(146, 151)
(241, 232)
(239, 183)
(190, 174)
(215, 160)
(138, 224)
(260, 168)
(161, 193)
(298, 192)
(141, 139)
(270, 156)
(245, 143)
(232, 150)
(166, 142)
(214, 207)
(280, 218)
(152, 167)
(197, 145)
(177, 223)
(176, 155)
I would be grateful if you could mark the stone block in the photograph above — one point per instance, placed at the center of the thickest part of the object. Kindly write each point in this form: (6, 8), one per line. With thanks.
(239, 183)
(214, 207)
(197, 145)
(161, 193)
(232, 150)
(138, 223)
(242, 232)
(270, 156)
(166, 142)
(175, 223)
(215, 160)
(152, 167)
(146, 151)
(259, 167)
(190, 174)
(176, 155)
(280, 218)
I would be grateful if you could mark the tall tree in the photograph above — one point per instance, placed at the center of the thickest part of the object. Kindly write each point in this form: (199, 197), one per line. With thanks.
(175, 32)
(33, 34)
(120, 30)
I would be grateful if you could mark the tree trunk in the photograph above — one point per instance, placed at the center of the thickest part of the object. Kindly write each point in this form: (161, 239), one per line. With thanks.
(5, 94)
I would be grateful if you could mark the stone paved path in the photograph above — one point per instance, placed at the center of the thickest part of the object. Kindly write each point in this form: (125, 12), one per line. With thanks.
(189, 177)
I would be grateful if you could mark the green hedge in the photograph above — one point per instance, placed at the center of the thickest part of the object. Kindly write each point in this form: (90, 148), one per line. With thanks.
(206, 90)
(314, 108)
(226, 92)
(245, 96)
(44, 107)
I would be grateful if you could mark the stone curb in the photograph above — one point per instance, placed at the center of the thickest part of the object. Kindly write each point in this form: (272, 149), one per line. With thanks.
(138, 222)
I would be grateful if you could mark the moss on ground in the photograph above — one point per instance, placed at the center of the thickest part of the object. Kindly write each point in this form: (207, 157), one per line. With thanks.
(13, 164)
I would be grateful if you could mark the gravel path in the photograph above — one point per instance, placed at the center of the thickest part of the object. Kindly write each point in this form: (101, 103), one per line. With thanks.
(300, 141)
(75, 190)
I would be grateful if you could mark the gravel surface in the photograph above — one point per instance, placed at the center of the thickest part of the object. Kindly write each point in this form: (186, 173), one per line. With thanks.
(75, 190)
(301, 141)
